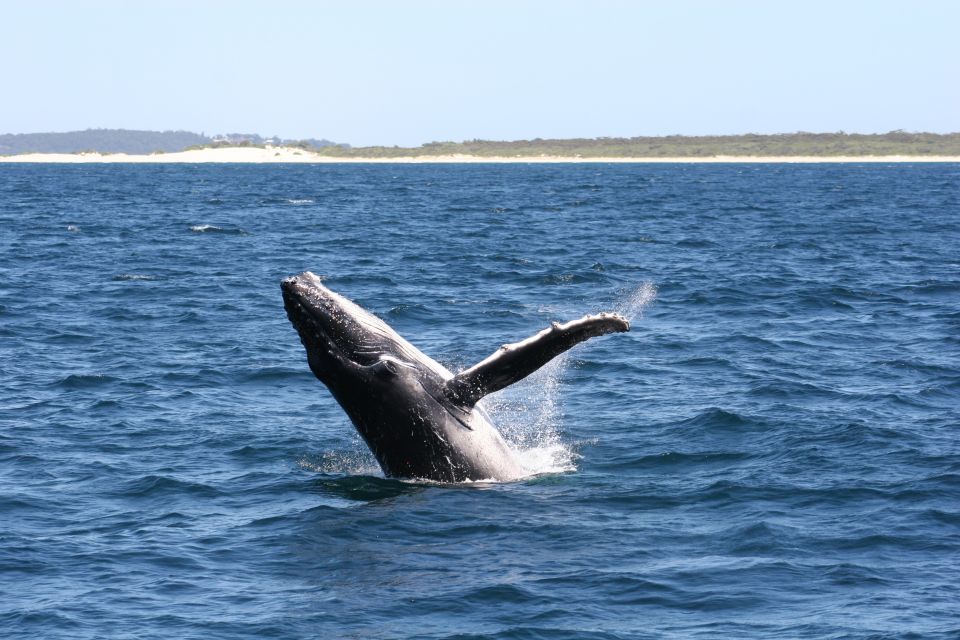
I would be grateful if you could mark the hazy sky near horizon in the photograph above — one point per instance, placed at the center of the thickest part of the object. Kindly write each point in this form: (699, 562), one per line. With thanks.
(405, 73)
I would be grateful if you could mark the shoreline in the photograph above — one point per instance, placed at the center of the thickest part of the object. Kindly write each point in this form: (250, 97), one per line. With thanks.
(272, 155)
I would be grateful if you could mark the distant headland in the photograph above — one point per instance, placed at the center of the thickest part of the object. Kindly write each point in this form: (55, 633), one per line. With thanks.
(137, 142)
(124, 145)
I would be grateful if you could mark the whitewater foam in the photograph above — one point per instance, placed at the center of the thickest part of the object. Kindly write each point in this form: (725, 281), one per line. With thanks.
(528, 413)
(133, 276)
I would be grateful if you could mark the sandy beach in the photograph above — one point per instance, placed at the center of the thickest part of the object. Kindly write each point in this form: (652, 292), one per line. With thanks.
(255, 155)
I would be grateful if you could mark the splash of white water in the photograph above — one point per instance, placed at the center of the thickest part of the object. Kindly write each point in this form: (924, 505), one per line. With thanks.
(632, 302)
(529, 413)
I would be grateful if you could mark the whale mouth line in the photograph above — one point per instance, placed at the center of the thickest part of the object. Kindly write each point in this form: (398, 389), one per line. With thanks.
(316, 324)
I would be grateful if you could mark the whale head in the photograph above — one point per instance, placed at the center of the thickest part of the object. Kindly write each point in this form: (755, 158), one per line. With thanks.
(343, 339)
(392, 392)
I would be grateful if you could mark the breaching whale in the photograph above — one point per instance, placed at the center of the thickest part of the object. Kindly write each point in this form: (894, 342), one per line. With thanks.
(419, 419)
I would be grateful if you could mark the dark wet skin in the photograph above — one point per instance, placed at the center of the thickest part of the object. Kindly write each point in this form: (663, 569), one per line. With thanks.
(418, 419)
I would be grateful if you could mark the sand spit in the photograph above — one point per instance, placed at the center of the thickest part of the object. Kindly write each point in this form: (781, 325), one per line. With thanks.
(254, 155)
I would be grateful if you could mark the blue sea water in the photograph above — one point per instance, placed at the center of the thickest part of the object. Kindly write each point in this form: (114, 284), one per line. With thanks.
(771, 452)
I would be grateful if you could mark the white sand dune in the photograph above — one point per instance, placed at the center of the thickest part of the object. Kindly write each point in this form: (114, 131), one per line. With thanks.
(268, 154)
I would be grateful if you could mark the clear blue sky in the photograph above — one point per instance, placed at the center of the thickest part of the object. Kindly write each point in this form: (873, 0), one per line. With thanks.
(408, 72)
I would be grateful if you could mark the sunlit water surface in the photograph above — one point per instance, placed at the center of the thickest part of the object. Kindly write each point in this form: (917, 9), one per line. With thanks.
(771, 452)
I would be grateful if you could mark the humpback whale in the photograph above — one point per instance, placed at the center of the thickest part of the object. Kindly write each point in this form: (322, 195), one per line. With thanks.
(420, 420)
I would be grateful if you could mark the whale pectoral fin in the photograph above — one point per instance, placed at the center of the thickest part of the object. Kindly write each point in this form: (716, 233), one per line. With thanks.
(514, 362)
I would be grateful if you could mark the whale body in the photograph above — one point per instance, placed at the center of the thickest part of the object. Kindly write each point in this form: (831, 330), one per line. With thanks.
(419, 419)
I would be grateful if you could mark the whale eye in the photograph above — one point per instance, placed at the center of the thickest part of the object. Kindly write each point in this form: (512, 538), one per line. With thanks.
(386, 368)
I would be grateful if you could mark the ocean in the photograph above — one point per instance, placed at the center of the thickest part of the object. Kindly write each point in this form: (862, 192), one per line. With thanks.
(771, 452)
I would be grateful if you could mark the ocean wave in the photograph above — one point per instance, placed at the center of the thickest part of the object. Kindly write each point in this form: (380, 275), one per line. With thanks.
(274, 374)
(133, 276)
(353, 462)
(85, 380)
(410, 310)
(212, 228)
(151, 486)
(366, 488)
(679, 460)
(717, 418)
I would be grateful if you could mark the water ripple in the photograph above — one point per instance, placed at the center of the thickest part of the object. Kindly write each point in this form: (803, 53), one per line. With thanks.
(771, 451)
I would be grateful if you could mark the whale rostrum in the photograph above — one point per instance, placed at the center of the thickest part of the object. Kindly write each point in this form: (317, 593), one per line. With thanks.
(419, 419)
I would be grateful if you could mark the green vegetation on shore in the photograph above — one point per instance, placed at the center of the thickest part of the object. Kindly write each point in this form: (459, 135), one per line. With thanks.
(894, 143)
(134, 141)
(99, 141)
